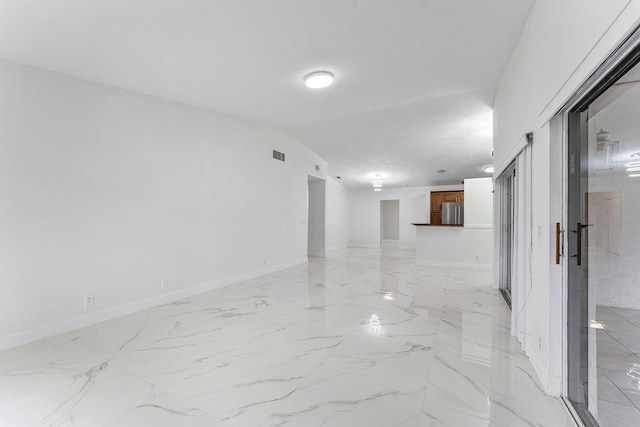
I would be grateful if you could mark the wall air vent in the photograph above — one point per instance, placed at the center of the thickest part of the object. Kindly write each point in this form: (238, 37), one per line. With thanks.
(278, 155)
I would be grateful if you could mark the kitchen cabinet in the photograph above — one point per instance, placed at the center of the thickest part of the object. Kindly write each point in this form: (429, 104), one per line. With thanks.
(440, 197)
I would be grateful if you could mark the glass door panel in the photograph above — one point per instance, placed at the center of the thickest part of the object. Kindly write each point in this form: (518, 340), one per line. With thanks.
(603, 307)
(505, 184)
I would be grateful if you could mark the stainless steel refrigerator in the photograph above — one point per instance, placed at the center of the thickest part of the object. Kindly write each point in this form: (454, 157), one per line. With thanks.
(453, 213)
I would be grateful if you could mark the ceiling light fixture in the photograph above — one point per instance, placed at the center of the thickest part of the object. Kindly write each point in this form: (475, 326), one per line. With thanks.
(634, 155)
(318, 79)
(634, 175)
(634, 169)
(377, 183)
(632, 164)
(488, 169)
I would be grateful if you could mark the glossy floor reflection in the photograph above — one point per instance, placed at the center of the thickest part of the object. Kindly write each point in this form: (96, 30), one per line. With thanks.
(362, 338)
(618, 361)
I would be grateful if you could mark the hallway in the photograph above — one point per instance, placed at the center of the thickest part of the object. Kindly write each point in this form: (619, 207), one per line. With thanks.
(362, 338)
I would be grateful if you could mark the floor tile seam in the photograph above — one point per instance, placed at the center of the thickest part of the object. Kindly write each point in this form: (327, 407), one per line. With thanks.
(275, 350)
(31, 391)
(291, 393)
(71, 379)
(342, 340)
(160, 391)
(452, 409)
(358, 374)
(619, 342)
(611, 380)
(62, 377)
(466, 409)
(177, 398)
(137, 347)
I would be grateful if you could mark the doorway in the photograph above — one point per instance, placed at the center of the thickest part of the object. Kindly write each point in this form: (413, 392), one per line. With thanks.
(316, 217)
(390, 222)
(603, 285)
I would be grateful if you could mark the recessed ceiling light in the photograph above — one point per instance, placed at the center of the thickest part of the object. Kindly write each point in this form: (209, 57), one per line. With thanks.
(318, 80)
(488, 169)
(634, 175)
(377, 189)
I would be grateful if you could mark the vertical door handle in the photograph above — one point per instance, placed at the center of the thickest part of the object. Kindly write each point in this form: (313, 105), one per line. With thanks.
(579, 240)
(557, 243)
(579, 243)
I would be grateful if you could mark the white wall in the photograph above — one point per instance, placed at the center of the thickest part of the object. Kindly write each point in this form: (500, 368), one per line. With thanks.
(562, 43)
(108, 192)
(316, 231)
(455, 247)
(337, 215)
(414, 207)
(390, 219)
(478, 202)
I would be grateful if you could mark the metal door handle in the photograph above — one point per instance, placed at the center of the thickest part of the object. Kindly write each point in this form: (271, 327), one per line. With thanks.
(557, 243)
(579, 241)
(579, 244)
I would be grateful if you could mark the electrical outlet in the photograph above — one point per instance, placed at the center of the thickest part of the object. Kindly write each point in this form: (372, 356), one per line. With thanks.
(89, 300)
(164, 284)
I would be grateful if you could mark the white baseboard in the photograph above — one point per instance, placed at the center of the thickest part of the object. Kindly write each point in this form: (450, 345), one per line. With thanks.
(20, 338)
(337, 248)
(364, 245)
(484, 267)
(407, 247)
(317, 254)
(391, 241)
(543, 374)
(478, 226)
(554, 385)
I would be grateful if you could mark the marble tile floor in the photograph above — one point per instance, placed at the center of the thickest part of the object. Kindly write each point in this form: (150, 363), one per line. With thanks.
(362, 338)
(618, 362)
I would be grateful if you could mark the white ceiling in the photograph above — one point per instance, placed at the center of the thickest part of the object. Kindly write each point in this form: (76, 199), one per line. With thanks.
(415, 79)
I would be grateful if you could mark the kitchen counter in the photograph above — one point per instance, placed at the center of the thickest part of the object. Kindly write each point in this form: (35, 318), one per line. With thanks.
(453, 245)
(418, 224)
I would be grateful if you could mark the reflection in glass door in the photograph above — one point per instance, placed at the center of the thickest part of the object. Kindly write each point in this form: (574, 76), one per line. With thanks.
(603, 306)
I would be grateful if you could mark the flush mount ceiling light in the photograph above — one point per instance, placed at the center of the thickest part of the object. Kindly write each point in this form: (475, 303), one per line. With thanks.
(377, 183)
(318, 79)
(488, 169)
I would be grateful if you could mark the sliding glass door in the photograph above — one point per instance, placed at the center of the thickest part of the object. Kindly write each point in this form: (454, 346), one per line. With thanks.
(505, 188)
(603, 269)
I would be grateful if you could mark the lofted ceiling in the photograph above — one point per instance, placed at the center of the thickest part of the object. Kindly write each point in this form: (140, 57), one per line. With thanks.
(414, 79)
